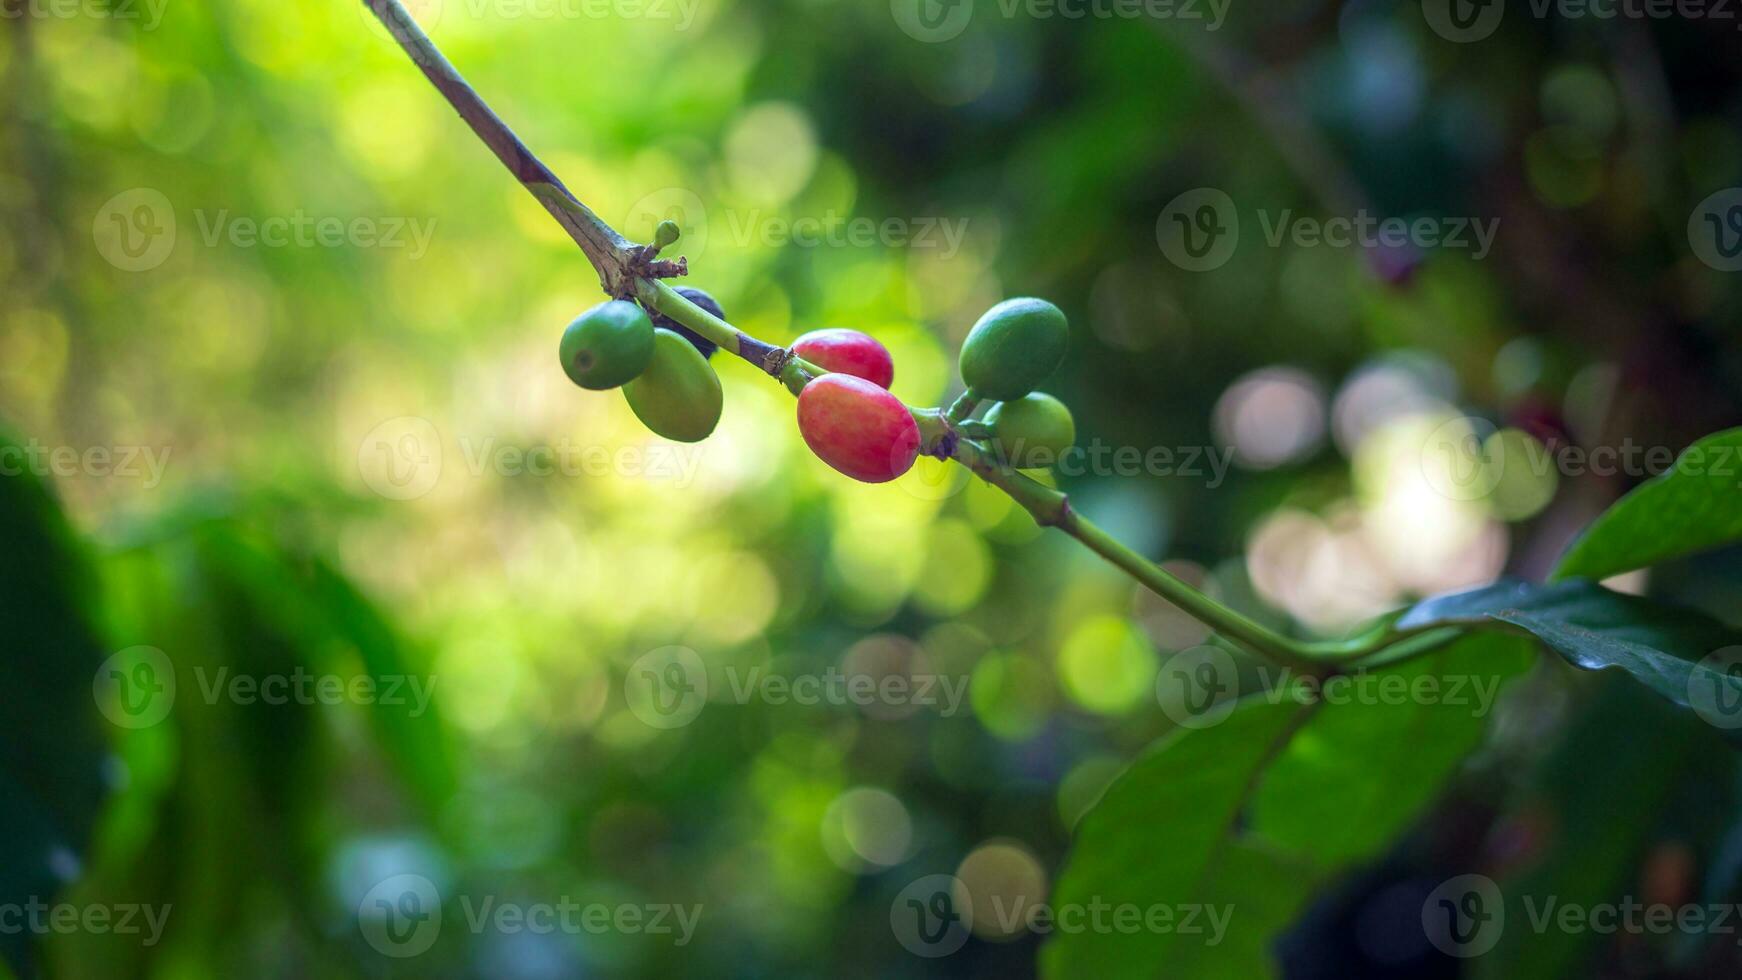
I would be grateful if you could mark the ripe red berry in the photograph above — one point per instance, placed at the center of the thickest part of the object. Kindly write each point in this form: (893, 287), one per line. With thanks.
(847, 352)
(858, 428)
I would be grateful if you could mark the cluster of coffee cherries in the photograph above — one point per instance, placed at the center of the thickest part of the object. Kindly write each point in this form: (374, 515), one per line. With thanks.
(663, 369)
(847, 416)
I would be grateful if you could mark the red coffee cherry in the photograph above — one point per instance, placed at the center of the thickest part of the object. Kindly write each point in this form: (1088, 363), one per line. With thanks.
(847, 352)
(858, 428)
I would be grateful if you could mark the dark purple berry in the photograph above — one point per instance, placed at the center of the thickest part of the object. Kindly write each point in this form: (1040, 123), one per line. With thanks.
(702, 300)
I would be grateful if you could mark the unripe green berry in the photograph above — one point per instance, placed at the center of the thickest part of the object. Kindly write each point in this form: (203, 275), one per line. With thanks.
(607, 346)
(679, 395)
(1013, 348)
(1033, 431)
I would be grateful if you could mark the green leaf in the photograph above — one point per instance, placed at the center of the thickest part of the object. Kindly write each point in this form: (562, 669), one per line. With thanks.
(248, 778)
(1164, 833)
(1595, 801)
(51, 762)
(1360, 773)
(1255, 812)
(410, 731)
(1694, 506)
(1665, 648)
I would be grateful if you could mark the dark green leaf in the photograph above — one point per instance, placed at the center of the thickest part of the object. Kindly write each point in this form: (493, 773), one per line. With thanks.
(51, 783)
(1358, 774)
(1694, 506)
(1324, 785)
(1164, 833)
(1663, 647)
(1593, 803)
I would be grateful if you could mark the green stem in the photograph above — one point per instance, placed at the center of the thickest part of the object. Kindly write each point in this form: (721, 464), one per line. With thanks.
(1228, 622)
(1052, 508)
(626, 269)
(1394, 651)
(963, 407)
(657, 295)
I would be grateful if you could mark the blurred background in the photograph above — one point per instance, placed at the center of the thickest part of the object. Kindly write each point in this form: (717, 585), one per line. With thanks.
(278, 378)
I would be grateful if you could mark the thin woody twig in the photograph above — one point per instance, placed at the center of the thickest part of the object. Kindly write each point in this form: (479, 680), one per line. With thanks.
(627, 270)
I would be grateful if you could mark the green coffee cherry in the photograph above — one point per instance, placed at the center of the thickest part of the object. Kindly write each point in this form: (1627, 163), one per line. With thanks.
(1013, 348)
(678, 396)
(608, 345)
(1033, 431)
